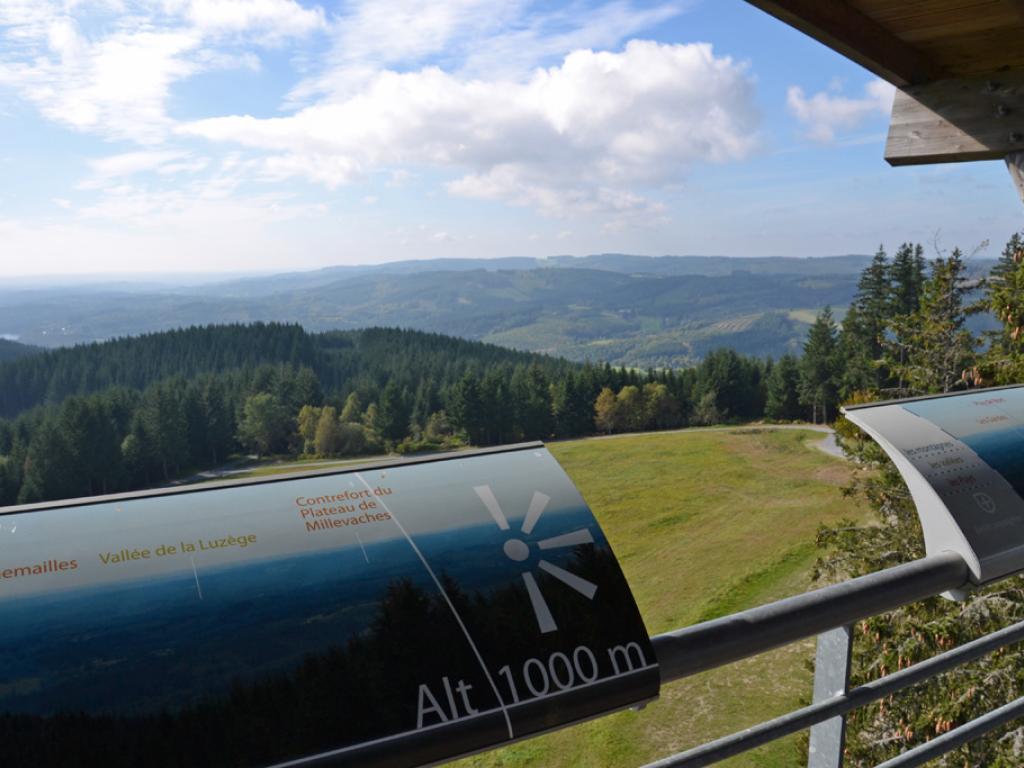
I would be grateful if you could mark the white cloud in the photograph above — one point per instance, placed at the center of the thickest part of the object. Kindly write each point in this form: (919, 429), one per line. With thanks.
(106, 169)
(517, 50)
(374, 34)
(117, 86)
(574, 137)
(826, 113)
(116, 80)
(484, 39)
(274, 19)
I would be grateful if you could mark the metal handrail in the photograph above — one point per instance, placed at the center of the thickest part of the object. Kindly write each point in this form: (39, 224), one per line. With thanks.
(863, 695)
(747, 633)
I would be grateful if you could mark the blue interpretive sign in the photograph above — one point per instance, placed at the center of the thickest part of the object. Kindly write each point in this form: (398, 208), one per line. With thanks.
(962, 457)
(390, 615)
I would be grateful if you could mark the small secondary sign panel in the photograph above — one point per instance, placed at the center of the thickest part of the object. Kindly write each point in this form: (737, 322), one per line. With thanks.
(393, 616)
(963, 459)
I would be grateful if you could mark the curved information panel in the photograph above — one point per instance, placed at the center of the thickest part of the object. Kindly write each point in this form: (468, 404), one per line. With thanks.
(396, 615)
(962, 457)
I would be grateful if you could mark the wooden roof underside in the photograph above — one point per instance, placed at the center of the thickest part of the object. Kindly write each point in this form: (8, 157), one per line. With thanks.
(913, 41)
(958, 66)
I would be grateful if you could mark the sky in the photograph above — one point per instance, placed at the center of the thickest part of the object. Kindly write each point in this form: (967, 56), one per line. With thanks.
(272, 135)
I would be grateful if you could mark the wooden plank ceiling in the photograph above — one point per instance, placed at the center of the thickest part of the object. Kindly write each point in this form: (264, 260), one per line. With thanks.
(914, 41)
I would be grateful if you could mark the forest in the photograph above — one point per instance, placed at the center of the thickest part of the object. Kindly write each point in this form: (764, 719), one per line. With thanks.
(135, 412)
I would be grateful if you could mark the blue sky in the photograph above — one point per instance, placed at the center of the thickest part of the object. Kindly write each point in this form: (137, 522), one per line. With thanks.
(233, 135)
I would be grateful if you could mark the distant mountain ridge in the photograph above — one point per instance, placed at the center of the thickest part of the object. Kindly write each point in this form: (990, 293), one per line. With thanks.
(707, 266)
(629, 310)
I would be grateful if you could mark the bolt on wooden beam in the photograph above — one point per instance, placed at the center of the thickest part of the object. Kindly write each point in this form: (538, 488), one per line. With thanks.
(957, 119)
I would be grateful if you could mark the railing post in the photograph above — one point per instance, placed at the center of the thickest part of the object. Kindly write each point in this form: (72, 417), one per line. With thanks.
(831, 678)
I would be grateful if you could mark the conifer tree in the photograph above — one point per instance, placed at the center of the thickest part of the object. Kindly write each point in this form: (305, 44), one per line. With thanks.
(1004, 362)
(931, 348)
(467, 409)
(392, 413)
(864, 327)
(819, 369)
(783, 401)
(533, 403)
(907, 279)
(163, 420)
(46, 466)
(265, 424)
(220, 423)
(859, 370)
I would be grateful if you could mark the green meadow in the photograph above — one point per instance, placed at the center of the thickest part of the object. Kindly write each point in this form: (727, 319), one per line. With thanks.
(704, 523)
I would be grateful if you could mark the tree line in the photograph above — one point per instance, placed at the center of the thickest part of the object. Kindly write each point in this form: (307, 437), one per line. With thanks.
(382, 393)
(135, 412)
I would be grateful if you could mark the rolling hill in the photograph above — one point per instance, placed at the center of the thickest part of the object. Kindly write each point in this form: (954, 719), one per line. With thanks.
(630, 310)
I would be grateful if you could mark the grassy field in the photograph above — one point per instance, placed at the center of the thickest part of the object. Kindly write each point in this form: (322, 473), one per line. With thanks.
(704, 523)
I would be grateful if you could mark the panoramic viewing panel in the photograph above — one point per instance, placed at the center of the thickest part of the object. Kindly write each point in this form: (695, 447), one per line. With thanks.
(390, 615)
(963, 459)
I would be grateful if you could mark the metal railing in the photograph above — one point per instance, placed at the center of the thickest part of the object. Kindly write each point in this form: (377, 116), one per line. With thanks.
(713, 643)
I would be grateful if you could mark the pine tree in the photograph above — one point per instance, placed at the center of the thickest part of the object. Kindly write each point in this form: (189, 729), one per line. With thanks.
(819, 369)
(783, 402)
(467, 409)
(859, 370)
(499, 414)
(864, 328)
(46, 466)
(907, 278)
(163, 419)
(1004, 362)
(392, 413)
(265, 424)
(220, 423)
(533, 404)
(931, 348)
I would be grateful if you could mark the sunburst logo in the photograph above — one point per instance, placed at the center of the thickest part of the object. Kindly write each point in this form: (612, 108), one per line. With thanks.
(519, 551)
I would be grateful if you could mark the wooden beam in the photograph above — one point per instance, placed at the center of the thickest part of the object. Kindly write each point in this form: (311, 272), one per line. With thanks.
(856, 36)
(955, 120)
(1016, 6)
(1015, 165)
